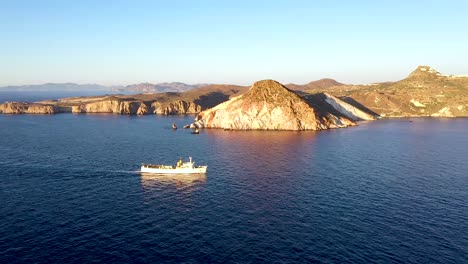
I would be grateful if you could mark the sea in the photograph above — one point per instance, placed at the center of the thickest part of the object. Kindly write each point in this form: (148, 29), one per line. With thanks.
(388, 191)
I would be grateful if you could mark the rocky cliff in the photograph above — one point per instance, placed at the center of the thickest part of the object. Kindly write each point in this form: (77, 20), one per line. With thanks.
(268, 105)
(110, 104)
(130, 107)
(26, 108)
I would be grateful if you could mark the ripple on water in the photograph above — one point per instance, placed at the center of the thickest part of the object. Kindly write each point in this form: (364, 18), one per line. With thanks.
(385, 191)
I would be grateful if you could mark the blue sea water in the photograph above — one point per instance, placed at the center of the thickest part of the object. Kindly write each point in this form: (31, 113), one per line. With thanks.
(389, 191)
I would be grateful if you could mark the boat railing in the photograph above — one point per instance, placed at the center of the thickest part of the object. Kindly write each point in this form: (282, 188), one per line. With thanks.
(157, 166)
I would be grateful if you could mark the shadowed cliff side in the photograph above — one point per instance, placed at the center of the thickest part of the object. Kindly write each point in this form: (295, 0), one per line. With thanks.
(327, 103)
(211, 95)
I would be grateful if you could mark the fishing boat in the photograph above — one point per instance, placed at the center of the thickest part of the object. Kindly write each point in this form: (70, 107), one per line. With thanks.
(181, 168)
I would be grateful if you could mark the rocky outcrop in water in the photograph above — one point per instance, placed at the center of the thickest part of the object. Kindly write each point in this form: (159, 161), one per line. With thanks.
(26, 108)
(268, 105)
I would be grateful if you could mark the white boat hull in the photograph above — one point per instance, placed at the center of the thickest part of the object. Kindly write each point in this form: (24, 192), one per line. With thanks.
(200, 169)
(181, 168)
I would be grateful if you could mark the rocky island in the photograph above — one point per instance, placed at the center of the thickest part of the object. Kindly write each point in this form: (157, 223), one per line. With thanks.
(269, 105)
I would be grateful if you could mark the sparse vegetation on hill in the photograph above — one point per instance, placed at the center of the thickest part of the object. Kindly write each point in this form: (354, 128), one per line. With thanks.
(425, 92)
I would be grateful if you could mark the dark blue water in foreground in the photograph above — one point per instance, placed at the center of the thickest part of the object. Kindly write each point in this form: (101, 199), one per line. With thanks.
(388, 191)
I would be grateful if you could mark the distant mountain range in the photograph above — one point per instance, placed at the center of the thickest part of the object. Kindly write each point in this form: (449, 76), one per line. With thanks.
(150, 87)
(56, 87)
(137, 88)
(183, 87)
(157, 88)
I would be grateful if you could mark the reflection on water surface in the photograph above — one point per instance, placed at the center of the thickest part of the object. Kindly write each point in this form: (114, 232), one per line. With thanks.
(154, 180)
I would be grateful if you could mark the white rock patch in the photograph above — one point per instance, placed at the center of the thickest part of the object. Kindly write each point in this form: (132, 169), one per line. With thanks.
(347, 109)
(444, 112)
(417, 103)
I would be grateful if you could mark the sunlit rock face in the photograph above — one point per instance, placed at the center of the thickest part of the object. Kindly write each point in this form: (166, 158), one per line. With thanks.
(138, 107)
(108, 106)
(175, 108)
(268, 105)
(26, 108)
(116, 106)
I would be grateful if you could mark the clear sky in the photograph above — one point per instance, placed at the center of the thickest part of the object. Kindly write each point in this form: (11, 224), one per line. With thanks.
(239, 42)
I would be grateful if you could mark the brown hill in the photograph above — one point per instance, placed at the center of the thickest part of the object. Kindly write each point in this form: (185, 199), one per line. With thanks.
(425, 92)
(424, 73)
(212, 95)
(320, 85)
